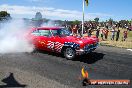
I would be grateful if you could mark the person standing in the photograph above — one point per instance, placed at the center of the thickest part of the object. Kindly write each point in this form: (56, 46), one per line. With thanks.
(102, 34)
(74, 29)
(125, 35)
(97, 32)
(117, 35)
(89, 32)
(106, 33)
(113, 34)
(80, 30)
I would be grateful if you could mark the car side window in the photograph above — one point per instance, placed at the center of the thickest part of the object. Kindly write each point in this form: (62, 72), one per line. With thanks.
(54, 32)
(66, 32)
(57, 32)
(44, 32)
(36, 33)
(61, 32)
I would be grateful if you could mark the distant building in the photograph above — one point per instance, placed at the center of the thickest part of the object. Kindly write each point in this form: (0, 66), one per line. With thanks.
(38, 20)
(38, 16)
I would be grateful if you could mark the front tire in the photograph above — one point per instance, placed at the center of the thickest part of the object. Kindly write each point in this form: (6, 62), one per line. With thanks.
(69, 53)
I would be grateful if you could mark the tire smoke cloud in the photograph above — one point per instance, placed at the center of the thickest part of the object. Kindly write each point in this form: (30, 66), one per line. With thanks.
(12, 37)
(51, 23)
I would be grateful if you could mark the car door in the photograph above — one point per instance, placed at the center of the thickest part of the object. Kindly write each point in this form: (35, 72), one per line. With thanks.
(35, 37)
(56, 40)
(44, 40)
(58, 44)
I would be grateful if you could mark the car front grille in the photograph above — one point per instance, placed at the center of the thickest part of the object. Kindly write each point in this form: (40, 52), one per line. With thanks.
(91, 46)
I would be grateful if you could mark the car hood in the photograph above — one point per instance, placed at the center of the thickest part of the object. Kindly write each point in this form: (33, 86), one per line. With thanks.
(81, 40)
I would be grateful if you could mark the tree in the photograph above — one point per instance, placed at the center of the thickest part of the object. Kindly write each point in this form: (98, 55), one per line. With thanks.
(123, 23)
(38, 20)
(76, 22)
(110, 21)
(96, 19)
(4, 15)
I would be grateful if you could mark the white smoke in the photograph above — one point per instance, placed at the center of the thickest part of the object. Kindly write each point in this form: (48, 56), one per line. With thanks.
(50, 23)
(12, 37)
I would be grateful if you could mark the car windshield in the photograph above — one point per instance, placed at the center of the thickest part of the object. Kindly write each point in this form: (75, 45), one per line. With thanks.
(61, 32)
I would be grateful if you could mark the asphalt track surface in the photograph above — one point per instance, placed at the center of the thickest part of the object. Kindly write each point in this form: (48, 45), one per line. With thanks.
(103, 63)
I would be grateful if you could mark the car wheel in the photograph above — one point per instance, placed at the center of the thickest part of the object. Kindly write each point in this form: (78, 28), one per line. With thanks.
(34, 51)
(69, 53)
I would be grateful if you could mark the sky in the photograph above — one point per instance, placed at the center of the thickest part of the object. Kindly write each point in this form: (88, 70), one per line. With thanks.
(69, 9)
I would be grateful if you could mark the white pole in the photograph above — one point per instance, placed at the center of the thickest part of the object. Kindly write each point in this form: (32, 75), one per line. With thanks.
(83, 18)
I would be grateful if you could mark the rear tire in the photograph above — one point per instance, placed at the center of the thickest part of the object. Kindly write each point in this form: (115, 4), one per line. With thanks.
(35, 50)
(69, 53)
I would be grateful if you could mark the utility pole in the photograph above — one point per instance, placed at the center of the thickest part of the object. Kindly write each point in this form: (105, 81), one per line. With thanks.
(83, 17)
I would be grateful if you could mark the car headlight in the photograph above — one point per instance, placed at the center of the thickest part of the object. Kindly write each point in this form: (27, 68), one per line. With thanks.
(80, 42)
(86, 47)
(78, 46)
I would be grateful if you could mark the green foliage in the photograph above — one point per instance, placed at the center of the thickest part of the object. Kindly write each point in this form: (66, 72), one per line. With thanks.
(96, 19)
(123, 23)
(75, 22)
(4, 15)
(110, 21)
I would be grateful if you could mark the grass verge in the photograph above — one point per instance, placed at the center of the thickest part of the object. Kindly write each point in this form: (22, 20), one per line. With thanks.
(121, 44)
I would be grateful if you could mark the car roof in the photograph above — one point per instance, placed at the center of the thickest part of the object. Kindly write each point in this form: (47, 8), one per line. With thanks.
(45, 28)
(49, 28)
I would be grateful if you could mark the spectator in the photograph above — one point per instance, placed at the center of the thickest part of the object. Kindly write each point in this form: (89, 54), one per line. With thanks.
(117, 35)
(97, 32)
(77, 28)
(80, 30)
(113, 34)
(102, 33)
(106, 33)
(74, 30)
(70, 28)
(89, 33)
(125, 35)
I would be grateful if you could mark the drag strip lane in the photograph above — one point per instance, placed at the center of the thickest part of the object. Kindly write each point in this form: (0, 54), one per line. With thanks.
(100, 65)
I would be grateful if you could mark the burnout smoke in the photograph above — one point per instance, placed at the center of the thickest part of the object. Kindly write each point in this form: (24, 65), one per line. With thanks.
(12, 37)
(50, 23)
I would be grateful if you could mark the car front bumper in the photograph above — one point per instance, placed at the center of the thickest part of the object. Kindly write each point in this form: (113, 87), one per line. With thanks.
(87, 49)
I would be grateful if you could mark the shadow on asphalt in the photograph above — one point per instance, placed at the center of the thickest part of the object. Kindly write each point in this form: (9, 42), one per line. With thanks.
(49, 53)
(90, 58)
(10, 81)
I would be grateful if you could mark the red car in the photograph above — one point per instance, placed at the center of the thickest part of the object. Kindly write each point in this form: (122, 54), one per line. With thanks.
(60, 40)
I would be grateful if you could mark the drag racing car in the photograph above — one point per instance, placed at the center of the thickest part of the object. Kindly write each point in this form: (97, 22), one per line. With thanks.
(60, 40)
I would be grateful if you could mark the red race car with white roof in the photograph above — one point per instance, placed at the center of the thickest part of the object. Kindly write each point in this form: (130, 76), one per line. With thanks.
(60, 40)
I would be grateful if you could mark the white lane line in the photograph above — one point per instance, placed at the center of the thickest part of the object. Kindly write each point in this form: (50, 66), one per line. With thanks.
(129, 49)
